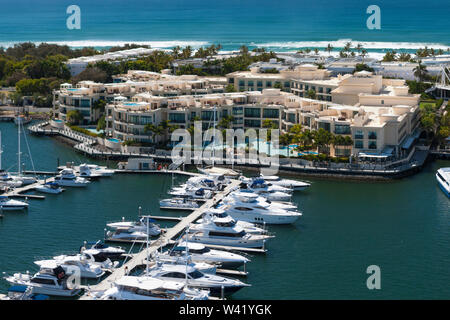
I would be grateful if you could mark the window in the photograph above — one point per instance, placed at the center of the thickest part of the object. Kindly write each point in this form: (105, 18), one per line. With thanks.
(43, 281)
(252, 112)
(359, 144)
(231, 80)
(252, 123)
(324, 125)
(243, 209)
(269, 84)
(177, 275)
(259, 84)
(372, 135)
(359, 134)
(177, 117)
(271, 113)
(372, 145)
(241, 83)
(291, 117)
(195, 274)
(342, 129)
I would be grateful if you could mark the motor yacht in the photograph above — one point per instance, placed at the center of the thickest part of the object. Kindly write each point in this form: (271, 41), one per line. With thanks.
(52, 282)
(287, 183)
(443, 179)
(268, 193)
(85, 171)
(183, 260)
(101, 252)
(144, 224)
(250, 197)
(228, 173)
(192, 193)
(221, 218)
(149, 288)
(196, 279)
(198, 252)
(178, 204)
(70, 264)
(7, 204)
(259, 184)
(49, 187)
(125, 235)
(209, 232)
(98, 170)
(67, 178)
(7, 180)
(250, 209)
(22, 293)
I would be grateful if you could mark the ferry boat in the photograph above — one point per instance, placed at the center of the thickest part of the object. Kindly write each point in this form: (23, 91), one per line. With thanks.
(149, 288)
(443, 179)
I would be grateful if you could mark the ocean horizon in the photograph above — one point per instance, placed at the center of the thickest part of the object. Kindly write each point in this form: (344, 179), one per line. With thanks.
(284, 25)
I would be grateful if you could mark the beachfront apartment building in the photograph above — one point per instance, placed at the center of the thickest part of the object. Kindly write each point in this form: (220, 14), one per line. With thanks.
(255, 80)
(83, 96)
(377, 130)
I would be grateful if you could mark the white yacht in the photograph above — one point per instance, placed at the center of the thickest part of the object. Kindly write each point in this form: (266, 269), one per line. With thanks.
(228, 173)
(7, 180)
(222, 219)
(443, 178)
(7, 204)
(269, 194)
(148, 288)
(200, 253)
(287, 183)
(52, 282)
(259, 184)
(101, 252)
(197, 279)
(178, 204)
(213, 182)
(183, 260)
(98, 170)
(137, 226)
(49, 187)
(193, 193)
(22, 293)
(87, 269)
(209, 232)
(85, 171)
(250, 197)
(67, 178)
(251, 210)
(126, 235)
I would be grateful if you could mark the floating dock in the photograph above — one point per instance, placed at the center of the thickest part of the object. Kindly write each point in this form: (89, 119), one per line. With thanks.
(163, 240)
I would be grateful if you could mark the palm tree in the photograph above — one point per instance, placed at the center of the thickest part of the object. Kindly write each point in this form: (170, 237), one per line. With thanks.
(363, 54)
(420, 71)
(329, 48)
(347, 47)
(187, 52)
(359, 47)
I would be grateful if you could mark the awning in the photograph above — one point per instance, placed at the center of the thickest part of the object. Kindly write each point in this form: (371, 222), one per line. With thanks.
(408, 143)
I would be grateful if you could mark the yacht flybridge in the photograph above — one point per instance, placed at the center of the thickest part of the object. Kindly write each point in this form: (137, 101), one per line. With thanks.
(144, 224)
(149, 288)
(196, 279)
(230, 235)
(221, 218)
(200, 253)
(52, 282)
(246, 207)
(443, 178)
(67, 178)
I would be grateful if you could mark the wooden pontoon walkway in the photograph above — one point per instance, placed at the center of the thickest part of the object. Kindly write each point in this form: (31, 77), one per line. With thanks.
(139, 258)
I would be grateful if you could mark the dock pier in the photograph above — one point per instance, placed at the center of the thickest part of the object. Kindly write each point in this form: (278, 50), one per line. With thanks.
(166, 238)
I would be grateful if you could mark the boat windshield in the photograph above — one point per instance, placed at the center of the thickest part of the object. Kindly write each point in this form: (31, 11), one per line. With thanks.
(195, 274)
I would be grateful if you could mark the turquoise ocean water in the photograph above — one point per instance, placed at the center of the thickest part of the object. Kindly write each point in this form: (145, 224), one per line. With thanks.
(280, 25)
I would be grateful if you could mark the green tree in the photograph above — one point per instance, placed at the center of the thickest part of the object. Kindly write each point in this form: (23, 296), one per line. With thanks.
(74, 117)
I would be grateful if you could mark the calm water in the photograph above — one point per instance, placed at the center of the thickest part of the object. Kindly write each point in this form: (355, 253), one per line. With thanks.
(401, 226)
(285, 24)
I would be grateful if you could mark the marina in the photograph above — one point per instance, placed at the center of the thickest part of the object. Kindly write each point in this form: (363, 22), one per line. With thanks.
(277, 256)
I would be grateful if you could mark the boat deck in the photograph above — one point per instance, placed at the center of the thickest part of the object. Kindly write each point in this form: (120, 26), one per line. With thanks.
(139, 258)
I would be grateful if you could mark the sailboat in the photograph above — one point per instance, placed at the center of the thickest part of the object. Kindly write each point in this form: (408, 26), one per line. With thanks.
(6, 180)
(24, 179)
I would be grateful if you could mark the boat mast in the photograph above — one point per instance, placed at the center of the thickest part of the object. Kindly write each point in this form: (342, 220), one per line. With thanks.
(214, 136)
(18, 154)
(148, 257)
(1, 150)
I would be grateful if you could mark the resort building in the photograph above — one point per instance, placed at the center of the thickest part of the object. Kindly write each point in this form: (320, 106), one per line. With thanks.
(254, 80)
(86, 93)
